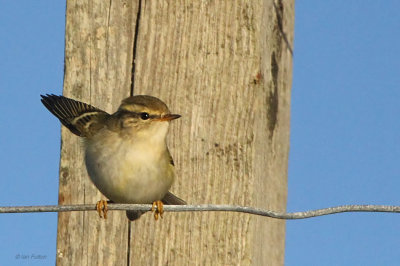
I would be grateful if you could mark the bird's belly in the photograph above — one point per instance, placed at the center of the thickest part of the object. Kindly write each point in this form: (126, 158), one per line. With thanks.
(126, 175)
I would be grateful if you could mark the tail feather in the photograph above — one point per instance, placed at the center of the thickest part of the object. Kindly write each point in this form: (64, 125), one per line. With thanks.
(169, 199)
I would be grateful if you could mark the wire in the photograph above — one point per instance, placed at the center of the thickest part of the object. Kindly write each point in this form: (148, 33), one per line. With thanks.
(208, 207)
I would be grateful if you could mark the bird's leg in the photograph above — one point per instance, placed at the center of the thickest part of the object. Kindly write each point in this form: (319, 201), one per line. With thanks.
(102, 208)
(158, 209)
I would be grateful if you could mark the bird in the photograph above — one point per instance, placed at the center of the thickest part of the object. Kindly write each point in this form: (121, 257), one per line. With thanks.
(126, 153)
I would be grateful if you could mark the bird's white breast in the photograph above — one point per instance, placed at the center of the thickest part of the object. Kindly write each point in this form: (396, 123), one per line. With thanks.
(126, 170)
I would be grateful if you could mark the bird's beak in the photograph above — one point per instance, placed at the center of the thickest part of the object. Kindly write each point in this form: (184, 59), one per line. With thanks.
(169, 117)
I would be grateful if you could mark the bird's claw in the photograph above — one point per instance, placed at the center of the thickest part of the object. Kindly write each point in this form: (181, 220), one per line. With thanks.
(158, 209)
(101, 207)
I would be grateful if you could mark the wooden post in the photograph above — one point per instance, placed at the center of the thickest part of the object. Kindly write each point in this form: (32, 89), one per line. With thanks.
(225, 66)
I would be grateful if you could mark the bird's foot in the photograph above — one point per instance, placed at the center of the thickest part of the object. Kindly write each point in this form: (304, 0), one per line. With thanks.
(158, 209)
(102, 208)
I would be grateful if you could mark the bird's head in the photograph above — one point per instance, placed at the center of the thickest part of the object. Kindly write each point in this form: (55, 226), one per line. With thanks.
(145, 117)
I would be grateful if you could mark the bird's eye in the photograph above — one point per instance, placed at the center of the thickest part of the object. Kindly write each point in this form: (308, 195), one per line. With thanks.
(144, 116)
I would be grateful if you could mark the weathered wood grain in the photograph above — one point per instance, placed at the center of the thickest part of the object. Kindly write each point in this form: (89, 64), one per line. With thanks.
(98, 61)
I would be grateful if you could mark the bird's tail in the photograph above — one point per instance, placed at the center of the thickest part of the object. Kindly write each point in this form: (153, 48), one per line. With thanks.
(169, 199)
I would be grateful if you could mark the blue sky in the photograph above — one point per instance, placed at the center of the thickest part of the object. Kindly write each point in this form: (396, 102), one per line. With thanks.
(344, 136)
(345, 132)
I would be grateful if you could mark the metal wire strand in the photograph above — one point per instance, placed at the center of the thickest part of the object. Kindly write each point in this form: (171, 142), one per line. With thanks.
(209, 207)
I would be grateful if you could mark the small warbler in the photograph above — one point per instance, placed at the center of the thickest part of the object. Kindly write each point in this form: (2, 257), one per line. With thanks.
(126, 154)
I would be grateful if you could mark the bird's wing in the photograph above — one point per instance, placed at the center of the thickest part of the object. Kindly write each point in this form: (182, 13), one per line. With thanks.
(80, 118)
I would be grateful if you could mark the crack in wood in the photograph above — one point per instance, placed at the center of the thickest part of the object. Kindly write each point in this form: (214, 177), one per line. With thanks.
(135, 37)
(128, 253)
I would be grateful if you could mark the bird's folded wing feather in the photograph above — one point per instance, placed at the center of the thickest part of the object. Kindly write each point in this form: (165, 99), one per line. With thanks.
(80, 118)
